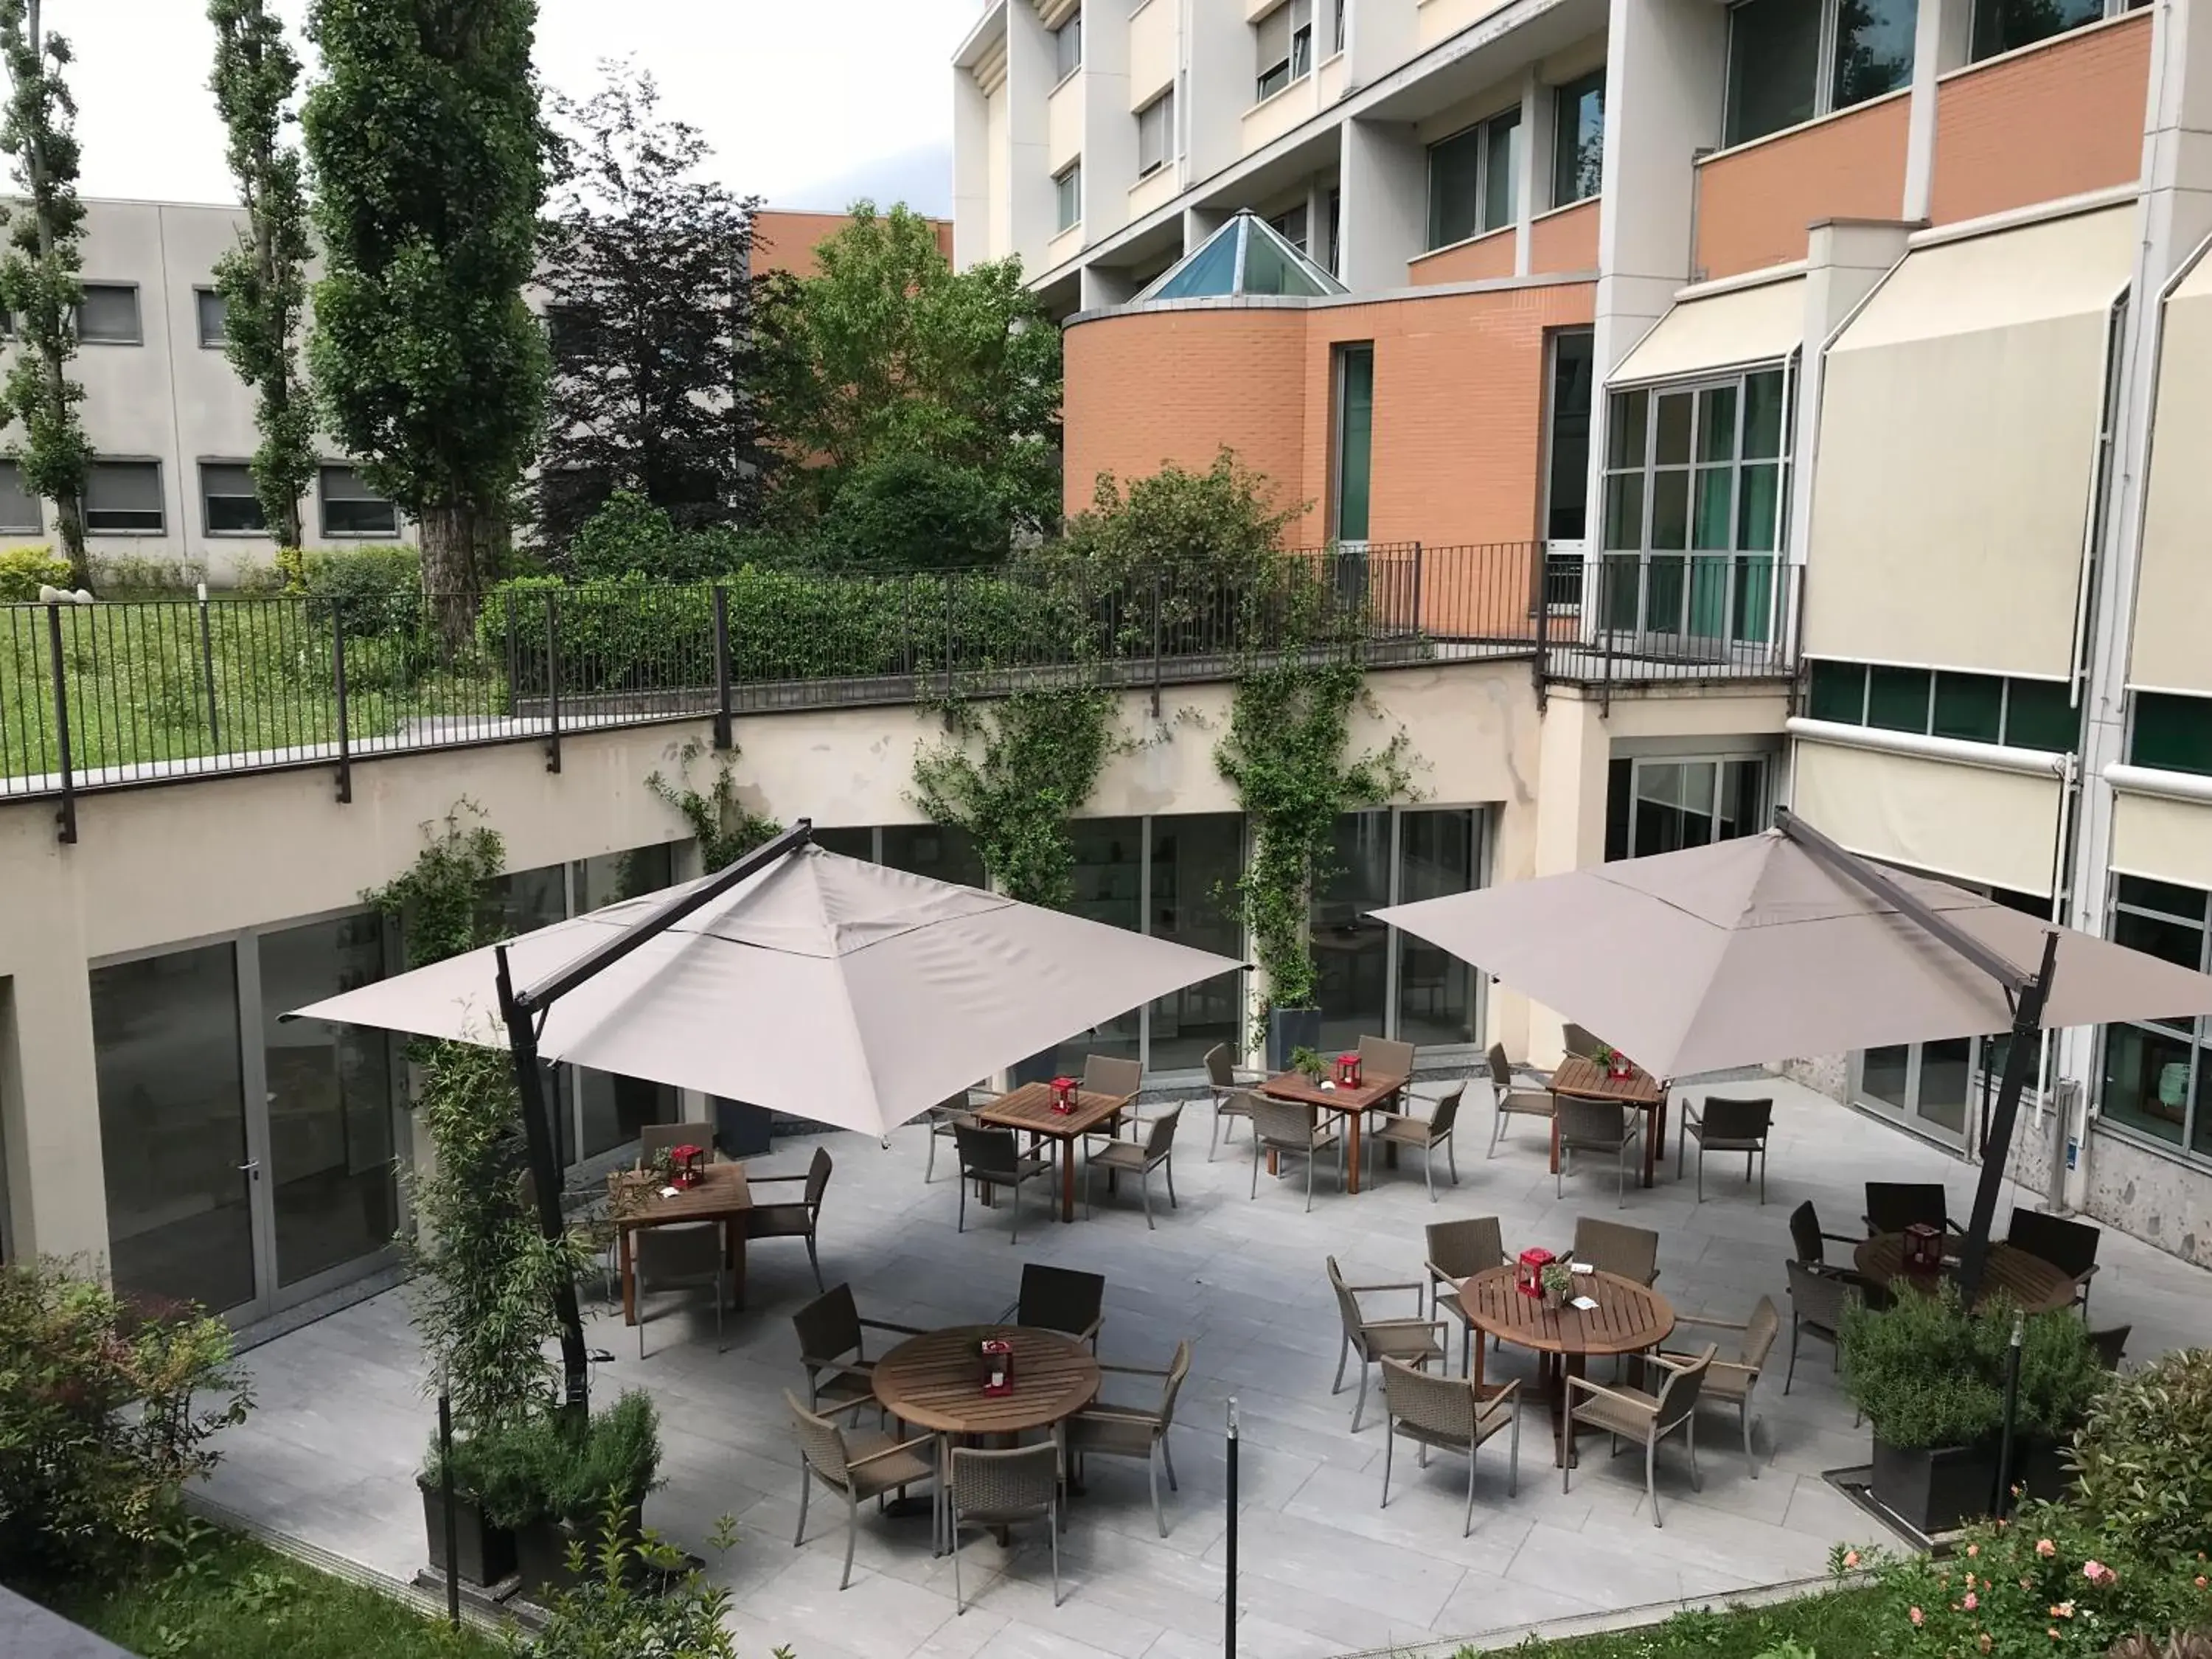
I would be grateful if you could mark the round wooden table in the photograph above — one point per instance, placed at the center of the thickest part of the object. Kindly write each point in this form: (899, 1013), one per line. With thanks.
(1629, 1318)
(2031, 1284)
(934, 1382)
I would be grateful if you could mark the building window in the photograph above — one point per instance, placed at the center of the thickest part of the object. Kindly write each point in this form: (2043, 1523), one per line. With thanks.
(20, 511)
(124, 498)
(2171, 732)
(2023, 713)
(1578, 139)
(1068, 46)
(1290, 225)
(2002, 26)
(109, 314)
(1285, 38)
(1373, 979)
(1471, 179)
(1695, 488)
(1655, 805)
(1355, 439)
(350, 507)
(1156, 134)
(229, 505)
(1068, 197)
(214, 318)
(1567, 437)
(1791, 60)
(2157, 1073)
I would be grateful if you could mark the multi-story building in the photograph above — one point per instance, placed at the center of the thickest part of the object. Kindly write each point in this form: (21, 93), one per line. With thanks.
(1878, 332)
(172, 425)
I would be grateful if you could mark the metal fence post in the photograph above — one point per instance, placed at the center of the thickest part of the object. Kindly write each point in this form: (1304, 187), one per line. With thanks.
(1155, 643)
(1413, 620)
(721, 666)
(67, 815)
(906, 624)
(207, 669)
(338, 673)
(553, 678)
(951, 579)
(1229, 1550)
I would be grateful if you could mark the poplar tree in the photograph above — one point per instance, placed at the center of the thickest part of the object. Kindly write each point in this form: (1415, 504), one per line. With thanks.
(262, 280)
(41, 274)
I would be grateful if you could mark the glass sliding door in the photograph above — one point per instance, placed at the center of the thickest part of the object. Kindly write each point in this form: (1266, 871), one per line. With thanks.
(610, 1111)
(1195, 861)
(173, 1128)
(1437, 992)
(1352, 949)
(1110, 876)
(1375, 981)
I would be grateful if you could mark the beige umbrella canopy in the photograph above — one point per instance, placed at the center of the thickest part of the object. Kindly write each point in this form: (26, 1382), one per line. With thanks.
(822, 986)
(1759, 949)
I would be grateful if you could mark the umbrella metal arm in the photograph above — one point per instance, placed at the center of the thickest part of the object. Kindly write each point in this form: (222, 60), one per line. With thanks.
(524, 1011)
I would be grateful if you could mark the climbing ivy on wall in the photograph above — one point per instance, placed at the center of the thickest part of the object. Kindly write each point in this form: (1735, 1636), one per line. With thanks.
(1011, 774)
(725, 832)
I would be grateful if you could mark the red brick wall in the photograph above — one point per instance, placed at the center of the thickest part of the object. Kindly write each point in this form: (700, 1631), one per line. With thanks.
(2058, 120)
(1755, 203)
(1565, 240)
(1488, 256)
(785, 241)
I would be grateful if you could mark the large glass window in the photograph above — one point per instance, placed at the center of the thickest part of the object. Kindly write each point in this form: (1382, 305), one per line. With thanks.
(124, 498)
(2008, 25)
(1352, 949)
(1695, 494)
(1662, 805)
(228, 503)
(1068, 46)
(2157, 1072)
(172, 1127)
(1284, 44)
(1196, 861)
(109, 314)
(1109, 875)
(1156, 134)
(2024, 713)
(1578, 139)
(609, 1109)
(1790, 60)
(1471, 179)
(1374, 981)
(2172, 732)
(350, 507)
(1355, 437)
(1566, 508)
(1437, 857)
(1068, 197)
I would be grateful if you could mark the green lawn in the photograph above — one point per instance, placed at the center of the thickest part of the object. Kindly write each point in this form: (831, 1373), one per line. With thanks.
(228, 1598)
(1838, 1625)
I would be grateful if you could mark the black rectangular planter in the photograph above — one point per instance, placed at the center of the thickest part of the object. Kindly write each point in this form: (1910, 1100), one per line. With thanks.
(541, 1558)
(487, 1551)
(1934, 1489)
(1289, 1029)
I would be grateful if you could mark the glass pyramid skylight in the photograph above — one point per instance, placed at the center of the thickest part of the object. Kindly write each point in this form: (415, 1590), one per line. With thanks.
(1246, 256)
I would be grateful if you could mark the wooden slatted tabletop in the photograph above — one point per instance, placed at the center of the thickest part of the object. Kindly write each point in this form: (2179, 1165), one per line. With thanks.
(2032, 1284)
(1028, 1110)
(934, 1381)
(1585, 1080)
(722, 1195)
(1629, 1318)
(1301, 1090)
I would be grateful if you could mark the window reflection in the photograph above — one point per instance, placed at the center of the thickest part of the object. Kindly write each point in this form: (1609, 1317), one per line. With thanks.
(1196, 861)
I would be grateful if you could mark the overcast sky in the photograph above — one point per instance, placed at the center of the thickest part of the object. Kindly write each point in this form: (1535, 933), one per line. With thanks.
(807, 104)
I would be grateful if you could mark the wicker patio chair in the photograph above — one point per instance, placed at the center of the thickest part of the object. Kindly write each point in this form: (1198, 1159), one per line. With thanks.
(654, 1138)
(1613, 1247)
(1511, 1100)
(1104, 1430)
(1726, 1125)
(2069, 1246)
(1817, 1299)
(990, 1158)
(1427, 1134)
(793, 1220)
(1139, 1158)
(679, 1255)
(1449, 1413)
(1807, 1238)
(1597, 1125)
(1416, 1340)
(1634, 1414)
(1457, 1251)
(854, 1466)
(833, 1346)
(1893, 1205)
(954, 1111)
(1228, 1081)
(1000, 1489)
(1059, 1299)
(1732, 1380)
(1286, 1126)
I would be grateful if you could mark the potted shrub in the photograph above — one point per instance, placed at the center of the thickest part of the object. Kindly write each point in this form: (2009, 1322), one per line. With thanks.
(552, 1484)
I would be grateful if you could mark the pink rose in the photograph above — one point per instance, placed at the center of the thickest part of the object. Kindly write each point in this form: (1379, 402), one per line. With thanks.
(1917, 1616)
(1971, 1603)
(1973, 1550)
(1851, 1559)
(2200, 1581)
(2045, 1548)
(2097, 1573)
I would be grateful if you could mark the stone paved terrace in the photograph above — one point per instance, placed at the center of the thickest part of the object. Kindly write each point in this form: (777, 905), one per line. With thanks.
(328, 1456)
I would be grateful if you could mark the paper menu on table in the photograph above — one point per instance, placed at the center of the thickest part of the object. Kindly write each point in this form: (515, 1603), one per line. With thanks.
(1583, 1303)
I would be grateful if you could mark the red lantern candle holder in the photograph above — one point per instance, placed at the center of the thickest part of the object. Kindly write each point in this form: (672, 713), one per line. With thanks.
(997, 1357)
(1347, 1073)
(689, 1165)
(1529, 1271)
(1063, 1094)
(1924, 1250)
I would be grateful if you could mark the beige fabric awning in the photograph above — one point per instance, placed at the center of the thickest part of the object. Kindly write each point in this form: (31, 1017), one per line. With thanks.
(2165, 839)
(1732, 330)
(2173, 593)
(1958, 451)
(1967, 822)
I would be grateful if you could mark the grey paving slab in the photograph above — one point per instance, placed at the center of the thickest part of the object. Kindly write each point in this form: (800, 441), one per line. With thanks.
(330, 1455)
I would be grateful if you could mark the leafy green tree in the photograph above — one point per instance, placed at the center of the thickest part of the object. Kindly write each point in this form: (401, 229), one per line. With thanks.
(909, 510)
(1224, 521)
(888, 350)
(40, 274)
(647, 269)
(262, 280)
(429, 158)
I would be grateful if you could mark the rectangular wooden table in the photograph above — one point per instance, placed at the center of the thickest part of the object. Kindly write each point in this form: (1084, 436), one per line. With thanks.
(1028, 1110)
(722, 1195)
(1354, 1103)
(1585, 1080)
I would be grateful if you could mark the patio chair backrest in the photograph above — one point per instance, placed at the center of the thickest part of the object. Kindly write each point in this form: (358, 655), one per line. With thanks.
(1501, 1069)
(1388, 1058)
(654, 1138)
(818, 1177)
(2069, 1246)
(829, 1327)
(986, 1151)
(1819, 1299)
(1178, 1371)
(1347, 1305)
(820, 1441)
(1005, 1486)
(1442, 1405)
(1577, 1042)
(1678, 1394)
(1725, 1118)
(1613, 1247)
(1447, 1111)
(1060, 1298)
(1220, 1066)
(1110, 1074)
(684, 1251)
(1893, 1205)
(1282, 1122)
(1758, 1334)
(1805, 1234)
(1463, 1248)
(1160, 1133)
(1601, 1124)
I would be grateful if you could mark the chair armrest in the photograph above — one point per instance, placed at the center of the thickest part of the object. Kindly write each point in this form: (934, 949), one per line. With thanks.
(1406, 1284)
(888, 1452)
(1586, 1386)
(1713, 1324)
(1403, 1325)
(1439, 1276)
(2086, 1274)
(769, 1181)
(885, 1325)
(1135, 1370)
(1841, 1238)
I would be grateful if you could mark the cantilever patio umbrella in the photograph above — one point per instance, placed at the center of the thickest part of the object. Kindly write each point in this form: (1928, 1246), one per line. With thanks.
(1783, 945)
(819, 984)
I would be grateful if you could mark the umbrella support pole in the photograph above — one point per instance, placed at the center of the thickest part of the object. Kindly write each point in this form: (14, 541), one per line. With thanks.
(2026, 1043)
(522, 1010)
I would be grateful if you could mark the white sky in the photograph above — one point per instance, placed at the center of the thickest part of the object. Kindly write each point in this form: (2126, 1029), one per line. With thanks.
(807, 104)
